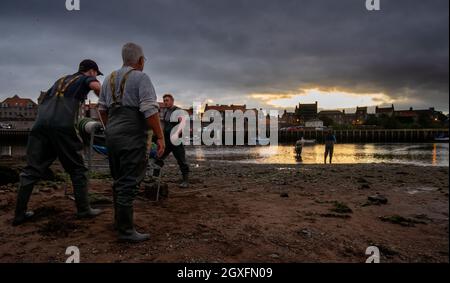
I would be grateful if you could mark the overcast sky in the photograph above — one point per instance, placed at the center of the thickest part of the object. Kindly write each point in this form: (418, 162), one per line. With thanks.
(265, 53)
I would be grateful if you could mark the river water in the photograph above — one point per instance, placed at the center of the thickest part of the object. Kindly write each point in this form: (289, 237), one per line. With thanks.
(426, 154)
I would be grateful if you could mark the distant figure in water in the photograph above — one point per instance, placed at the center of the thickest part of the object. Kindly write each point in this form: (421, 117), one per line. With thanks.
(330, 140)
(299, 148)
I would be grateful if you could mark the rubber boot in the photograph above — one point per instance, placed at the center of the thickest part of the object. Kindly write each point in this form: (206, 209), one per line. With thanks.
(21, 213)
(82, 203)
(127, 233)
(185, 181)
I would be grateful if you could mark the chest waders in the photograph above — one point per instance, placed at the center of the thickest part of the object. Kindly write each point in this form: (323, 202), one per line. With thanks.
(126, 140)
(60, 110)
(53, 136)
(177, 151)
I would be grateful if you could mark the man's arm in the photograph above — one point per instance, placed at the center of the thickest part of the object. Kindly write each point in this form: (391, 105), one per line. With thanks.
(95, 86)
(102, 106)
(149, 107)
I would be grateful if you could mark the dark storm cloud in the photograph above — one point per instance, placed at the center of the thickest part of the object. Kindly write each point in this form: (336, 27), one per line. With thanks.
(226, 49)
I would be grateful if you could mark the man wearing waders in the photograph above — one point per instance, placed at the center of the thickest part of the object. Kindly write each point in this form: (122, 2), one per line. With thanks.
(330, 140)
(53, 136)
(177, 150)
(129, 109)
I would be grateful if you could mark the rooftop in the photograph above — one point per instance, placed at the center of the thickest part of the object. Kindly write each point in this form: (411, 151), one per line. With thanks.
(222, 108)
(17, 101)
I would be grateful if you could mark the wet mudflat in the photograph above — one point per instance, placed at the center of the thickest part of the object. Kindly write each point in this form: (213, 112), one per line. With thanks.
(247, 213)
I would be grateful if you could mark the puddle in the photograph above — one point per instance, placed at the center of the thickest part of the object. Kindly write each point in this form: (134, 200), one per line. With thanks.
(413, 191)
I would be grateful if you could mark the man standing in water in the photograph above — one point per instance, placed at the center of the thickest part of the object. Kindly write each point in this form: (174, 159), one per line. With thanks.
(299, 148)
(330, 140)
(53, 136)
(128, 107)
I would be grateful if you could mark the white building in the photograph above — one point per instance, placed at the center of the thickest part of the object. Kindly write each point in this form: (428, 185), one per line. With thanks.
(18, 112)
(314, 123)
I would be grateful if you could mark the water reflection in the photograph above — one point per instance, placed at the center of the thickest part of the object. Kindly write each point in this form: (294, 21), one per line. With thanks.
(419, 154)
(434, 162)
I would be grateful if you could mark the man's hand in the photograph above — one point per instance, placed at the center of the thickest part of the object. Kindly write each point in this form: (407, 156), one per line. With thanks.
(154, 124)
(161, 146)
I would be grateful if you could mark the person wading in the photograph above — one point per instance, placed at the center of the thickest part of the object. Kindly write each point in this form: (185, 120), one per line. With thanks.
(53, 136)
(330, 140)
(177, 150)
(299, 148)
(128, 107)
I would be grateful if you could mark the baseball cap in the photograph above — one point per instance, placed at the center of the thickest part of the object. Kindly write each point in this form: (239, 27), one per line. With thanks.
(88, 64)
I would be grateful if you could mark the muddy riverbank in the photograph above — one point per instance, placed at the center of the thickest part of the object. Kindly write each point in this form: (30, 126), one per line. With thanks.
(248, 213)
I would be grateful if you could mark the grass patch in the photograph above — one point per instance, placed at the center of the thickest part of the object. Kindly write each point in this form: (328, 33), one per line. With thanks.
(98, 199)
(99, 175)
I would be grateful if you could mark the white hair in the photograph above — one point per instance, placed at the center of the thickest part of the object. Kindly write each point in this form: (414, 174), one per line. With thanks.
(131, 52)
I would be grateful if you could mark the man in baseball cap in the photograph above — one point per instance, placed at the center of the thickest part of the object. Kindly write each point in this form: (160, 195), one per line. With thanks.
(53, 136)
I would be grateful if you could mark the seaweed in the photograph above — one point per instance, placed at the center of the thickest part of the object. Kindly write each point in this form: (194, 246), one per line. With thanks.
(400, 220)
(340, 207)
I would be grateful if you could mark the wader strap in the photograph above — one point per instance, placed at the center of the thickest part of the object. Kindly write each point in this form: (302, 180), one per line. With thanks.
(63, 87)
(124, 80)
(60, 85)
(112, 82)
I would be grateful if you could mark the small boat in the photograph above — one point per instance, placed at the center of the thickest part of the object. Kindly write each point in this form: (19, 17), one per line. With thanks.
(310, 141)
(441, 138)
